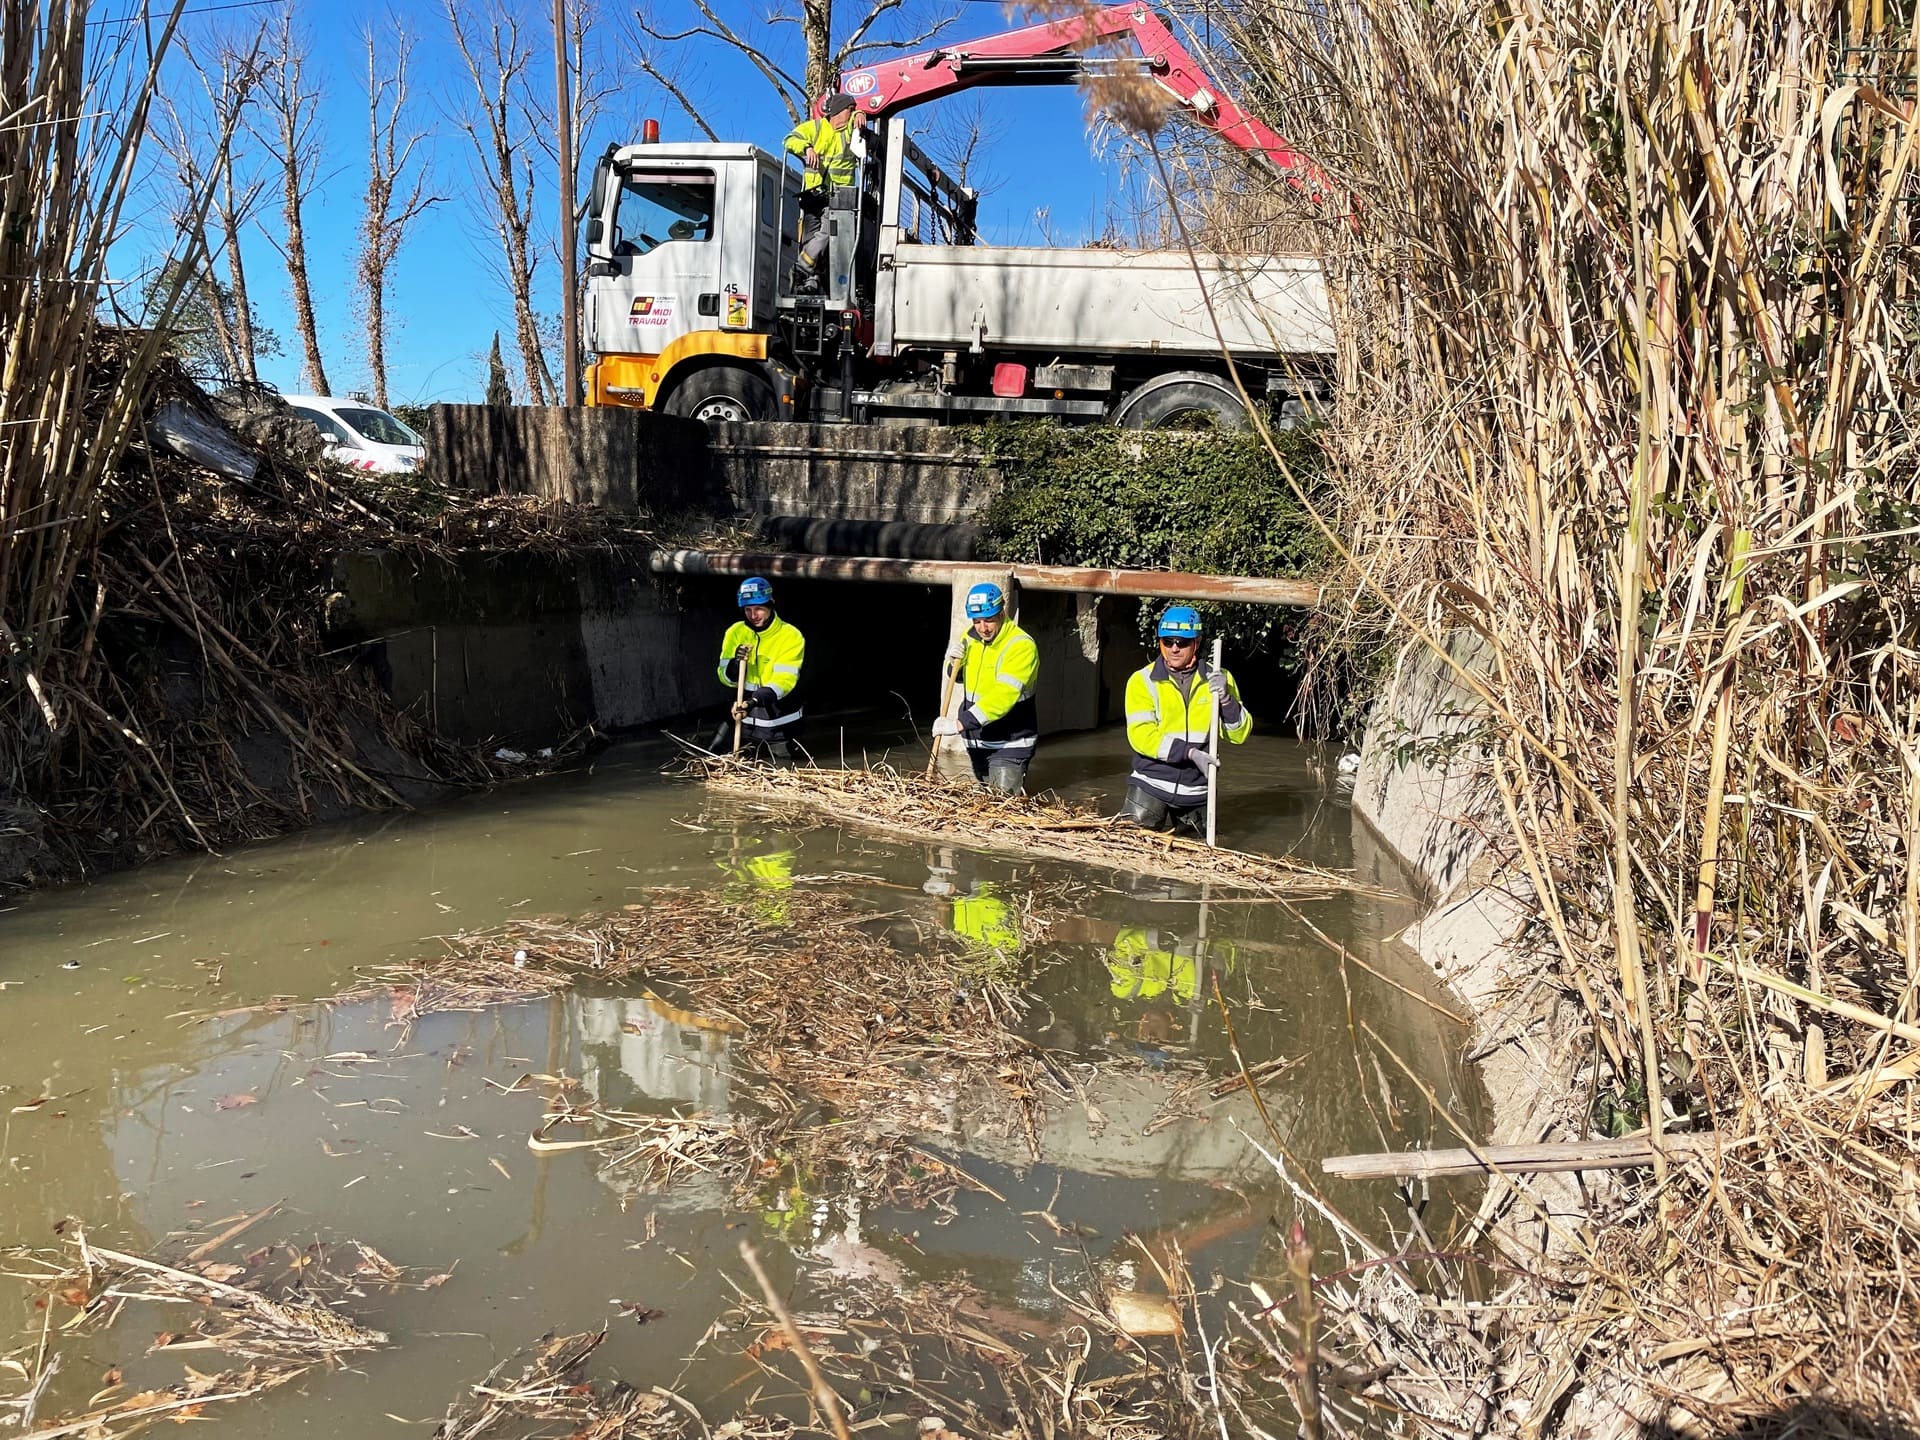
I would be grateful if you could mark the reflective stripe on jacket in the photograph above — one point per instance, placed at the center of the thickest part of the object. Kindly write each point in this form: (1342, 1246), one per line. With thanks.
(773, 670)
(997, 710)
(836, 158)
(1163, 725)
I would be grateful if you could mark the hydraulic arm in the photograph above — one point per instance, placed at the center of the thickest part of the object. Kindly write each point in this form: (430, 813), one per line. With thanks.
(1065, 51)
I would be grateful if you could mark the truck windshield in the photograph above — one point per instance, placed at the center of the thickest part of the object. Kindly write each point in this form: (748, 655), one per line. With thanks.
(655, 209)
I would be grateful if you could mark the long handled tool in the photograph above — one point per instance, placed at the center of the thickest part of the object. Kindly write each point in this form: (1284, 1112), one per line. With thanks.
(1213, 748)
(946, 699)
(739, 700)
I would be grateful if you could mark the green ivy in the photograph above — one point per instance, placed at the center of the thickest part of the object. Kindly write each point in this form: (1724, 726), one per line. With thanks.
(1207, 502)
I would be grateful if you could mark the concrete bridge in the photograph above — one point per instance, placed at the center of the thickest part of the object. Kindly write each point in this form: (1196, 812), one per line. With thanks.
(529, 646)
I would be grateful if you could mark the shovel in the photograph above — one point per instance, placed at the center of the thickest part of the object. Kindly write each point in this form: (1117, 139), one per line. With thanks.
(946, 699)
(739, 699)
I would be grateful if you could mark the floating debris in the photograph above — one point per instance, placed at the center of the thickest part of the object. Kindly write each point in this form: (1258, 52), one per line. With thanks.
(551, 1391)
(885, 799)
(278, 1318)
(835, 1015)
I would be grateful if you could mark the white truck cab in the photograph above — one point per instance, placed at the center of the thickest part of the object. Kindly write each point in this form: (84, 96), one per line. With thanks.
(686, 252)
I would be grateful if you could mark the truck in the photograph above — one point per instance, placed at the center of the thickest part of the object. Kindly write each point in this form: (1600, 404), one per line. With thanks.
(690, 248)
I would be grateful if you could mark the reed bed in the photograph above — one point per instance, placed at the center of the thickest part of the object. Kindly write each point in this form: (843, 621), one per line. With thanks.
(1626, 304)
(946, 812)
(167, 680)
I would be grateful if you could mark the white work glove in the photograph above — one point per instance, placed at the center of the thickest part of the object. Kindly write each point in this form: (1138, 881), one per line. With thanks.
(1205, 759)
(956, 652)
(1217, 683)
(739, 709)
(946, 725)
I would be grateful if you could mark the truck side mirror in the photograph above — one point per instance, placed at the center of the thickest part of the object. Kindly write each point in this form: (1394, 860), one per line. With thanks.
(597, 198)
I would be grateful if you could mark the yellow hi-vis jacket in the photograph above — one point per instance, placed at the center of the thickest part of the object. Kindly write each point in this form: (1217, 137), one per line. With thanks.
(1141, 967)
(997, 710)
(836, 156)
(766, 881)
(1163, 725)
(987, 922)
(773, 670)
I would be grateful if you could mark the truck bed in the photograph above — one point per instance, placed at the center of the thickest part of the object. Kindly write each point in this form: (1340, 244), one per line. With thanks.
(1114, 301)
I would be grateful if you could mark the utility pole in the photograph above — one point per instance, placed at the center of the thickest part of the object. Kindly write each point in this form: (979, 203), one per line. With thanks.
(569, 286)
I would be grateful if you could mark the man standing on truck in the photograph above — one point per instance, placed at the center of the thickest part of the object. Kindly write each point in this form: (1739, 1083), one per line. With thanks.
(998, 721)
(1170, 706)
(773, 651)
(825, 148)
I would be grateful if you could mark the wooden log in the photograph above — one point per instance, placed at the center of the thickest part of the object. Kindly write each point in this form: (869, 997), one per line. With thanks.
(192, 436)
(1517, 1159)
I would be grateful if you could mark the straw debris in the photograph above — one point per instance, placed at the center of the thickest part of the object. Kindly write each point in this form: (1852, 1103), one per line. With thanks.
(280, 1309)
(550, 1396)
(882, 798)
(835, 1017)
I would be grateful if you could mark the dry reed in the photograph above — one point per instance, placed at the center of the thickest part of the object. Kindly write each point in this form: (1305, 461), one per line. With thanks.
(881, 798)
(1625, 297)
(284, 1319)
(891, 1040)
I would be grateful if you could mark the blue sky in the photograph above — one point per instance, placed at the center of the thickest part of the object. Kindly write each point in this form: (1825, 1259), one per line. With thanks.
(445, 301)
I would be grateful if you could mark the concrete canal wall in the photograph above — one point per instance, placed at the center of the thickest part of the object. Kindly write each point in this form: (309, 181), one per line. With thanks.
(527, 647)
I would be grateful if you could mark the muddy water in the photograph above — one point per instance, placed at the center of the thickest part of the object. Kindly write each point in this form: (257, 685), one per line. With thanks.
(156, 1118)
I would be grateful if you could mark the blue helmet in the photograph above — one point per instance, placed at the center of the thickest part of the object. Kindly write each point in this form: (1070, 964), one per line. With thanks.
(755, 591)
(984, 602)
(1180, 622)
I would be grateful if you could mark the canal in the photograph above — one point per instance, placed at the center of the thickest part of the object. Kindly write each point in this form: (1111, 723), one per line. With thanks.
(149, 1087)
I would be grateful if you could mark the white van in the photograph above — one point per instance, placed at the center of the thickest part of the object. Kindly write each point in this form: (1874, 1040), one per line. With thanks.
(360, 434)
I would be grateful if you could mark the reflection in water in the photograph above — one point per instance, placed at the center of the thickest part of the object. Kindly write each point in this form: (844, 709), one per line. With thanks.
(415, 1140)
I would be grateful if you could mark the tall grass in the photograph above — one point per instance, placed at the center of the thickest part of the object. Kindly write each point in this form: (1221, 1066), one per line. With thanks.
(1627, 298)
(74, 96)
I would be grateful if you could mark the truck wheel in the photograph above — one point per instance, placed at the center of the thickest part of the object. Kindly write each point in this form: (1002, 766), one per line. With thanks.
(722, 395)
(1182, 400)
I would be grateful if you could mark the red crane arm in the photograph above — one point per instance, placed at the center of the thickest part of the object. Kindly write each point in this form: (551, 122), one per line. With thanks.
(1063, 51)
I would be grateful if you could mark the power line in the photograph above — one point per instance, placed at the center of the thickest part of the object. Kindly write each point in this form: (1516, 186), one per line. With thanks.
(199, 10)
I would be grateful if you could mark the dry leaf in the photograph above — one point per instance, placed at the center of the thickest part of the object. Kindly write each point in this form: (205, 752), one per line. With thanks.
(221, 1272)
(235, 1102)
(110, 1379)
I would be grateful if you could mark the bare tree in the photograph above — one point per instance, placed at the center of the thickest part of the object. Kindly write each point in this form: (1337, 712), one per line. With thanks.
(205, 170)
(499, 123)
(824, 60)
(670, 76)
(292, 137)
(395, 198)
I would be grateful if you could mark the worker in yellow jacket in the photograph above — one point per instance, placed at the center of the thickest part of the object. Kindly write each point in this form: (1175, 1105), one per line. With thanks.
(772, 652)
(997, 722)
(826, 148)
(1170, 706)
